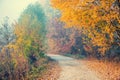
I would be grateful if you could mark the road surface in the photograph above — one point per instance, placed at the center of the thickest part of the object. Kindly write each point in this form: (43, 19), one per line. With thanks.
(73, 69)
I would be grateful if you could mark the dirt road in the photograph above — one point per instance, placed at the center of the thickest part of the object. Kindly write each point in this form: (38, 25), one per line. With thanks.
(73, 69)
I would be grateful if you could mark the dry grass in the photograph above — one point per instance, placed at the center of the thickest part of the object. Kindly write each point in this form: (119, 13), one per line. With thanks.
(52, 72)
(107, 70)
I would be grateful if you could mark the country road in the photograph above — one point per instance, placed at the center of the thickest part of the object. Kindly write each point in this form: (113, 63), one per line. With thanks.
(73, 69)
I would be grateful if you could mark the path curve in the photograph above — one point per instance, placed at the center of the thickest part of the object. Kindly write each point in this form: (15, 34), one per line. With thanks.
(73, 69)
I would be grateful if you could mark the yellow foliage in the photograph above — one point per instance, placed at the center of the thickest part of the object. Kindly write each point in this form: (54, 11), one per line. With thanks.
(85, 15)
(82, 12)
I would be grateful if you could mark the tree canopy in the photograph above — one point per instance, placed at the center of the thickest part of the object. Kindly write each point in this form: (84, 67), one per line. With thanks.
(99, 20)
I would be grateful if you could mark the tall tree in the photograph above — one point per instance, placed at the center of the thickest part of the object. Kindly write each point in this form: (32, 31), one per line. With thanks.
(60, 39)
(6, 35)
(31, 32)
(98, 19)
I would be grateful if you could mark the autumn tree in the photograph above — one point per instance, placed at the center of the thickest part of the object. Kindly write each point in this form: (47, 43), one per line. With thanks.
(30, 33)
(33, 22)
(60, 39)
(97, 19)
(6, 33)
(7, 37)
(25, 41)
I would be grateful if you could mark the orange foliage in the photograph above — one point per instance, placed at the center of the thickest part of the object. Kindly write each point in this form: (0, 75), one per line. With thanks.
(93, 17)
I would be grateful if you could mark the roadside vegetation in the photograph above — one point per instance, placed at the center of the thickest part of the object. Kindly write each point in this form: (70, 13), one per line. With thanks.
(90, 31)
(23, 46)
(90, 28)
(82, 29)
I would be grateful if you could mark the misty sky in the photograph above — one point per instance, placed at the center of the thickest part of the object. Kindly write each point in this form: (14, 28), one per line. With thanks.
(13, 8)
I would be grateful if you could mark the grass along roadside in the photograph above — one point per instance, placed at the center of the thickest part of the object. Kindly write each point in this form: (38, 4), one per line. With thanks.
(52, 71)
(48, 70)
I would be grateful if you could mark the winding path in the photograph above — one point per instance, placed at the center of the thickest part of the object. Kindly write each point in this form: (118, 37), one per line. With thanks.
(73, 69)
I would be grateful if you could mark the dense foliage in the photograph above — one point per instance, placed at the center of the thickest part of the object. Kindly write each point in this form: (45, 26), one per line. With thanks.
(22, 45)
(60, 39)
(83, 27)
(98, 20)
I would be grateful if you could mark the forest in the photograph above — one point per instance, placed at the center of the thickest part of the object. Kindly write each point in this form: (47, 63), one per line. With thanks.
(84, 30)
(95, 25)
